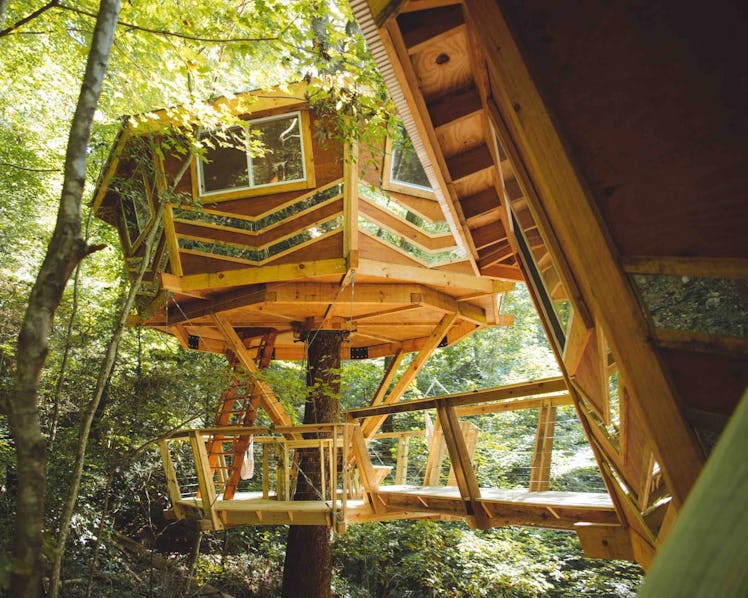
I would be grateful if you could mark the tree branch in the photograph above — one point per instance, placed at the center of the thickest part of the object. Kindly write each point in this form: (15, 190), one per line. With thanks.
(23, 21)
(26, 168)
(194, 38)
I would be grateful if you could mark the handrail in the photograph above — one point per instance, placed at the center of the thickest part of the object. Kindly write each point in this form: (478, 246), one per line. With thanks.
(495, 394)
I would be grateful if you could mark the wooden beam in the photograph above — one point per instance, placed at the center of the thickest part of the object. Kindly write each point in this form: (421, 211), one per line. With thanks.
(574, 217)
(461, 464)
(688, 340)
(438, 278)
(698, 267)
(368, 475)
(515, 405)
(351, 168)
(498, 393)
(252, 275)
(601, 541)
(277, 413)
(371, 425)
(389, 376)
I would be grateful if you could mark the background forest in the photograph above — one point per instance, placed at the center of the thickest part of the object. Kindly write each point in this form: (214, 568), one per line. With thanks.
(183, 53)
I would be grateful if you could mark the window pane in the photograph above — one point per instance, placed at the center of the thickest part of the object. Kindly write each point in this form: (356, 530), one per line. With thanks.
(406, 168)
(225, 167)
(282, 158)
(135, 207)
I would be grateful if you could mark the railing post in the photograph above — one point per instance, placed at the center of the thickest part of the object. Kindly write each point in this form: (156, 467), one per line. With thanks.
(172, 484)
(540, 472)
(462, 464)
(205, 478)
(401, 470)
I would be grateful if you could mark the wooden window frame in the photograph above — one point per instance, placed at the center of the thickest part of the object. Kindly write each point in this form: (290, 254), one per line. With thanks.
(307, 182)
(389, 184)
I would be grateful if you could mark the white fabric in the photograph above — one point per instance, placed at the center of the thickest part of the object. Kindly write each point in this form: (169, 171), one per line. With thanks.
(248, 466)
(429, 428)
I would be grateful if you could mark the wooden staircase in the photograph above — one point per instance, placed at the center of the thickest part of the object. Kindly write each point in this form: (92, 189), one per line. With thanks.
(238, 407)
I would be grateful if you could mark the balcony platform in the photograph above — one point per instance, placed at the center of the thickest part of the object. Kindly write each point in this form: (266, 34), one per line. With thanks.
(556, 510)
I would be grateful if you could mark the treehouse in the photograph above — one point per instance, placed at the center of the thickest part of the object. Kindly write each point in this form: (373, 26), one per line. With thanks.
(274, 235)
(616, 195)
(295, 236)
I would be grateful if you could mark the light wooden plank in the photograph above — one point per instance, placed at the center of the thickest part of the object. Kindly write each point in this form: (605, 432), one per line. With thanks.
(254, 275)
(497, 393)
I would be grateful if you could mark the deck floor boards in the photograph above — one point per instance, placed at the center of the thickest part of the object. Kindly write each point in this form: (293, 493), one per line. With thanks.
(503, 507)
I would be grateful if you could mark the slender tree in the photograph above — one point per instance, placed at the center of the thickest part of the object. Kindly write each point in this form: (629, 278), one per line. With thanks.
(65, 250)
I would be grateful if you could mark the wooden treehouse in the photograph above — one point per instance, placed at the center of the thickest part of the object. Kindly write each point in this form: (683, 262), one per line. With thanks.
(255, 253)
(607, 193)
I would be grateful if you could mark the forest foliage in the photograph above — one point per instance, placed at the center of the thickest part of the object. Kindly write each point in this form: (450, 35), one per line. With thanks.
(184, 53)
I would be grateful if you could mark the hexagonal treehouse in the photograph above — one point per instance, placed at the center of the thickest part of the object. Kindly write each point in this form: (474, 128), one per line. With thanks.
(275, 235)
(298, 238)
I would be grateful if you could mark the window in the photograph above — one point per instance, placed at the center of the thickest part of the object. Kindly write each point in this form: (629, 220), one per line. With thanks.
(268, 151)
(405, 167)
(134, 196)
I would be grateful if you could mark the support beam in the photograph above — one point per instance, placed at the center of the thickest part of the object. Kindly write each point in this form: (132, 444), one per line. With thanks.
(269, 401)
(389, 376)
(371, 425)
(252, 275)
(462, 464)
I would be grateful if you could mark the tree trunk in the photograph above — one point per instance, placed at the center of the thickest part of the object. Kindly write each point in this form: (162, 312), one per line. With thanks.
(65, 250)
(308, 567)
(90, 410)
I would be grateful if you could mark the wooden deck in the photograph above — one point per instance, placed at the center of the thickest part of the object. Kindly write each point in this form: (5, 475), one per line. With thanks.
(556, 510)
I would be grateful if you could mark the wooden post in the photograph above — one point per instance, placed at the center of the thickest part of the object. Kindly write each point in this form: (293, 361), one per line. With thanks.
(436, 456)
(265, 471)
(401, 471)
(463, 467)
(171, 479)
(204, 478)
(540, 472)
(350, 205)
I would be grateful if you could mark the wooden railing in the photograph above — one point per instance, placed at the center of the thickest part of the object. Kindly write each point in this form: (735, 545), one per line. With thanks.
(193, 483)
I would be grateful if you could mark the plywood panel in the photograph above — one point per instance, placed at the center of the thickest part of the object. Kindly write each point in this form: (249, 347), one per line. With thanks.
(652, 101)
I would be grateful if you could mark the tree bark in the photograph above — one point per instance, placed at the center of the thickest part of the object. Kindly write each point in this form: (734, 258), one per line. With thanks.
(308, 565)
(65, 250)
